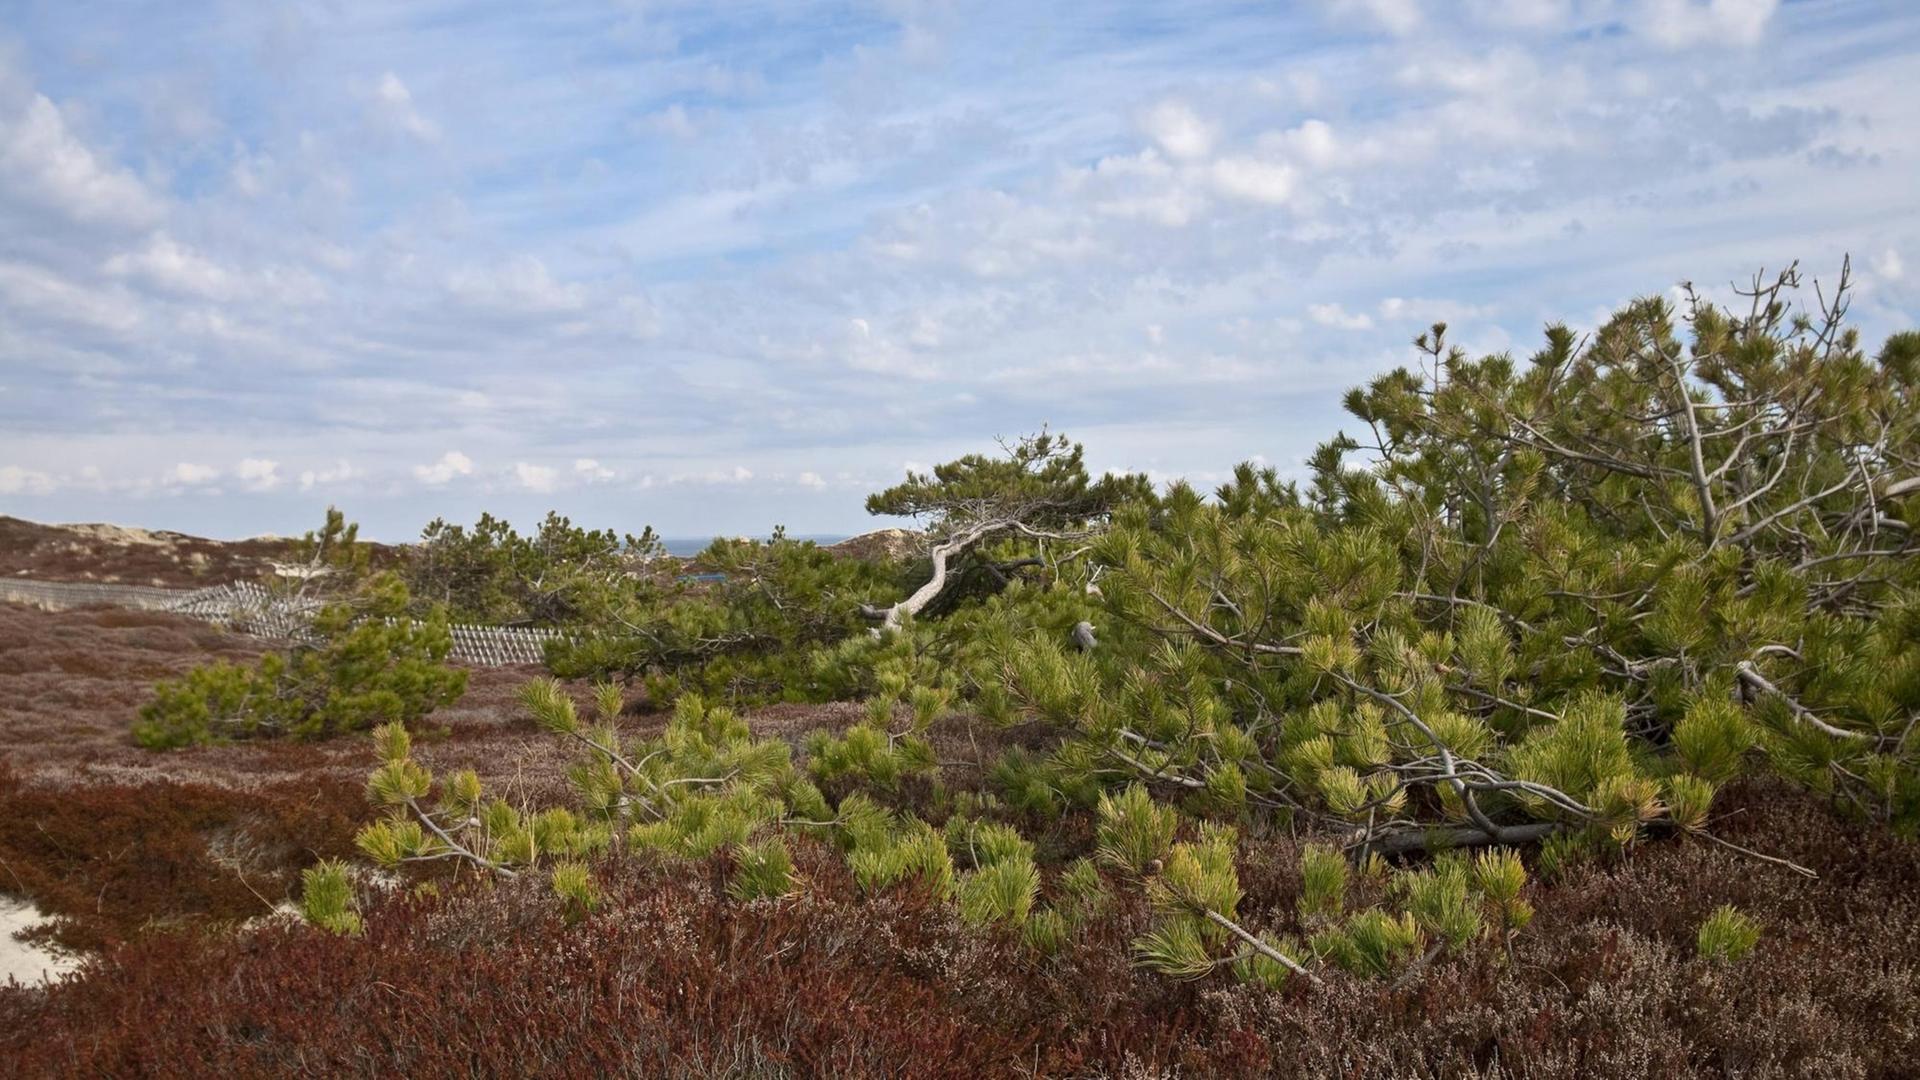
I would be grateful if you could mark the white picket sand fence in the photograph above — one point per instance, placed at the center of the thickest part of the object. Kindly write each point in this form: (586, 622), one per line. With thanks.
(248, 608)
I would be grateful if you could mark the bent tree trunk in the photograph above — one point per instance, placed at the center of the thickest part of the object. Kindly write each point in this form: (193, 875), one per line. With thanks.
(943, 554)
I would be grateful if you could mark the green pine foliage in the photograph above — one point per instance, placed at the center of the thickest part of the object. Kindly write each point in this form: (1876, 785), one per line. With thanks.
(559, 576)
(1000, 892)
(1135, 832)
(885, 747)
(1587, 590)
(1371, 943)
(1727, 935)
(326, 897)
(368, 662)
(752, 635)
(1554, 603)
(764, 870)
(1323, 885)
(573, 883)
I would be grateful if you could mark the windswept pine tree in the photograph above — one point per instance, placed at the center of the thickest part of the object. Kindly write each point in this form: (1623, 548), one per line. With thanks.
(1550, 605)
(368, 658)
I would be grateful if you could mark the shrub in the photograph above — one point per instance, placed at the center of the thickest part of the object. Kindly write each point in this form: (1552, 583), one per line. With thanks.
(361, 673)
(560, 575)
(367, 662)
(1000, 892)
(1323, 884)
(750, 636)
(1727, 936)
(1134, 831)
(326, 897)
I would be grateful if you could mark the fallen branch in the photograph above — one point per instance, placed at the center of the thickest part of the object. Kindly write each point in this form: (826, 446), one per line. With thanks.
(456, 847)
(1259, 946)
(1404, 841)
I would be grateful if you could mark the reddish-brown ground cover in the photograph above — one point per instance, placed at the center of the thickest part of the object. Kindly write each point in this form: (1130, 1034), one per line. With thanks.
(671, 977)
(155, 858)
(115, 838)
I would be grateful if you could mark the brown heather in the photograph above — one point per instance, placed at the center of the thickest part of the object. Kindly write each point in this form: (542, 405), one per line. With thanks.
(155, 858)
(671, 977)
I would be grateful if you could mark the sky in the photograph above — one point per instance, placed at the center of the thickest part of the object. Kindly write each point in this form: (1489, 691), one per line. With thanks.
(718, 266)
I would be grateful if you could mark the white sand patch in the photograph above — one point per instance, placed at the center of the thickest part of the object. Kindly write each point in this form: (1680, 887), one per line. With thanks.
(122, 535)
(19, 960)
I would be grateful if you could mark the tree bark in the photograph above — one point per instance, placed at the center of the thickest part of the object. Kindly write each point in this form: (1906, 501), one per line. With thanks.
(943, 553)
(1405, 840)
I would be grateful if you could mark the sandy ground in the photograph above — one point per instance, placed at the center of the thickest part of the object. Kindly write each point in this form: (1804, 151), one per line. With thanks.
(20, 960)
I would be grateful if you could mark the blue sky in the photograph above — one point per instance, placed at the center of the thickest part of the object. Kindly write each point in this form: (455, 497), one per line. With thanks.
(717, 266)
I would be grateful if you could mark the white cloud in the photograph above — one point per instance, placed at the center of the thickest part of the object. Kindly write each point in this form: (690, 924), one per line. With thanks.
(520, 285)
(1531, 14)
(537, 478)
(258, 474)
(172, 266)
(40, 158)
(1255, 180)
(810, 480)
(591, 471)
(1679, 24)
(50, 295)
(1397, 17)
(1889, 265)
(15, 480)
(338, 472)
(1313, 143)
(1427, 310)
(396, 109)
(869, 349)
(671, 121)
(187, 474)
(739, 474)
(1179, 130)
(451, 464)
(1336, 316)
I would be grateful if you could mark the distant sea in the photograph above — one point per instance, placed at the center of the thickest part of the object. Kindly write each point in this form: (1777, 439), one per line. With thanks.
(686, 546)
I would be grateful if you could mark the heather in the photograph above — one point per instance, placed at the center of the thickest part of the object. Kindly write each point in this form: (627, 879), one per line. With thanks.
(673, 976)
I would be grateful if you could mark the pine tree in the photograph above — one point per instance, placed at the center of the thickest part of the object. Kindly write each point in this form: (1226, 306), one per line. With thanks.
(366, 660)
(1560, 603)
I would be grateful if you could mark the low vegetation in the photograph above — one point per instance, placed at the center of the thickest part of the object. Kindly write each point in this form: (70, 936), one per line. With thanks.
(1555, 699)
(365, 660)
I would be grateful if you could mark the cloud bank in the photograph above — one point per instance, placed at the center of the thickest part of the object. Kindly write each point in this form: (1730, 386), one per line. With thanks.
(717, 267)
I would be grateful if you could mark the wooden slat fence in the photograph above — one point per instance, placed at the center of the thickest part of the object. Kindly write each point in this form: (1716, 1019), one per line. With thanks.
(247, 608)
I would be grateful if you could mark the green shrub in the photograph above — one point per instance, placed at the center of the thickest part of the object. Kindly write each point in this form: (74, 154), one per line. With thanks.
(1727, 936)
(492, 575)
(369, 663)
(1323, 884)
(574, 884)
(1001, 892)
(764, 869)
(326, 897)
(1134, 831)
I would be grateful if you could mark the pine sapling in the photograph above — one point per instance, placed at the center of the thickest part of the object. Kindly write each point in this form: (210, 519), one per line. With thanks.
(1727, 935)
